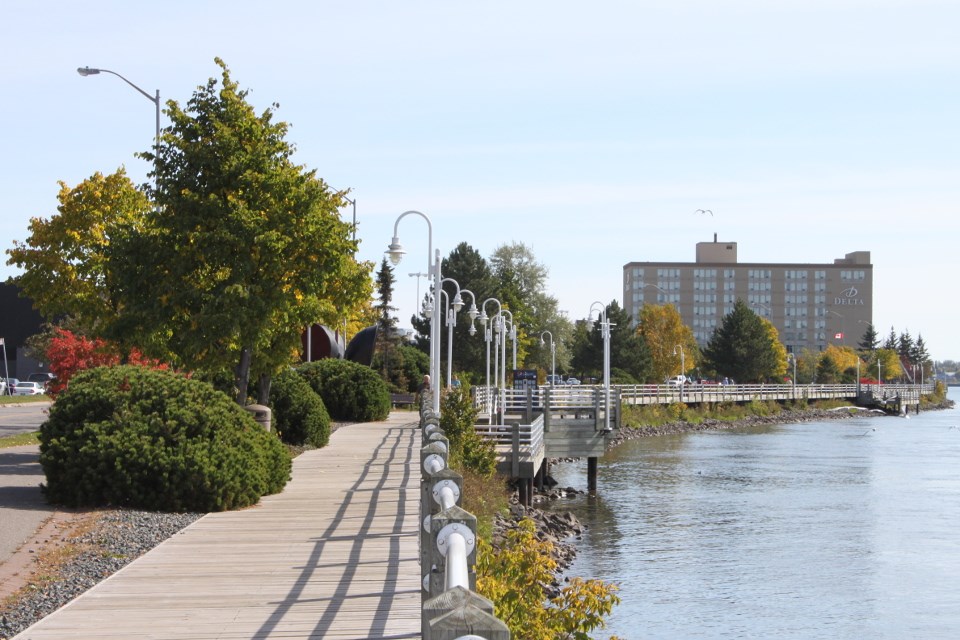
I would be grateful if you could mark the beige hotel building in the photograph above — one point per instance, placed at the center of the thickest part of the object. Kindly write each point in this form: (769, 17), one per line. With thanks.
(811, 305)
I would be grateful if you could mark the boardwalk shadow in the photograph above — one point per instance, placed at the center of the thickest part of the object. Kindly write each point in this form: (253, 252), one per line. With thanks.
(396, 447)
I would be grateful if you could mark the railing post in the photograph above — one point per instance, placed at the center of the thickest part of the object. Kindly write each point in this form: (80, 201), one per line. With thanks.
(457, 612)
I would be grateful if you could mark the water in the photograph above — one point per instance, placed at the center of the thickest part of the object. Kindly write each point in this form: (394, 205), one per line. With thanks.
(844, 529)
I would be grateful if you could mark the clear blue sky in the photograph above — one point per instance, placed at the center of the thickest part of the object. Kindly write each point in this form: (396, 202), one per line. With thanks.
(589, 131)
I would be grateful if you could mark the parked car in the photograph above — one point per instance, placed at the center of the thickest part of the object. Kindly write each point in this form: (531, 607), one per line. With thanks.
(28, 389)
(554, 378)
(43, 377)
(677, 381)
(572, 380)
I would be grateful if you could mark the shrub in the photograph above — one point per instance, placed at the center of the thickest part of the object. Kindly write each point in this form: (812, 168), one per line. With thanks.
(299, 416)
(467, 449)
(151, 439)
(350, 391)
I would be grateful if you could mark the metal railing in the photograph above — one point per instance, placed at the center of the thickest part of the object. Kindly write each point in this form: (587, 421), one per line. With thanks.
(451, 609)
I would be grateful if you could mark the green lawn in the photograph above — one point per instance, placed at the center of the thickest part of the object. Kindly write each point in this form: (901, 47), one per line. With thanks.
(20, 439)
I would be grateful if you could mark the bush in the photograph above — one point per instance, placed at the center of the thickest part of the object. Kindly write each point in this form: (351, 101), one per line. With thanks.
(299, 415)
(350, 391)
(467, 449)
(150, 439)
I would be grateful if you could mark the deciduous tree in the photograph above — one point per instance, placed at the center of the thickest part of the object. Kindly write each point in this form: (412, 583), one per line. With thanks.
(245, 248)
(664, 332)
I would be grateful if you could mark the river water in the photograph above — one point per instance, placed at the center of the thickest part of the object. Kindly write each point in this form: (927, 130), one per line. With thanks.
(839, 529)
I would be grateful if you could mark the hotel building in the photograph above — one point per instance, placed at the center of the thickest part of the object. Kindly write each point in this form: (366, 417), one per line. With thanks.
(811, 305)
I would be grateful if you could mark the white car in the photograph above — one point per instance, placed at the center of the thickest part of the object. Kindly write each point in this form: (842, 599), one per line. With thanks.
(677, 381)
(28, 389)
(572, 380)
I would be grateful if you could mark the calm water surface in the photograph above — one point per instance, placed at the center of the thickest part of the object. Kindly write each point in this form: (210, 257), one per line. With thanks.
(846, 529)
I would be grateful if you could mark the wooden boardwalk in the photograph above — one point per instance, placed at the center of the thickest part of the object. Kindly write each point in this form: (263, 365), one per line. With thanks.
(334, 556)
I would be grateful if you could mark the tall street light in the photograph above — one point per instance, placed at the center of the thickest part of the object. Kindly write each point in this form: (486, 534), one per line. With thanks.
(395, 253)
(553, 355)
(792, 358)
(90, 71)
(605, 332)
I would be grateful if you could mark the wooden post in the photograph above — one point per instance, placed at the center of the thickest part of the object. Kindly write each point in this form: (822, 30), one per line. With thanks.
(592, 474)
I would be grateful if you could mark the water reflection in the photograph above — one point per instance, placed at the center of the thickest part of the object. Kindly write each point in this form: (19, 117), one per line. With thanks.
(816, 530)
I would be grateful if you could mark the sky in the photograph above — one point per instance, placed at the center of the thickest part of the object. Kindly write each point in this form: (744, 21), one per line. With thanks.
(590, 132)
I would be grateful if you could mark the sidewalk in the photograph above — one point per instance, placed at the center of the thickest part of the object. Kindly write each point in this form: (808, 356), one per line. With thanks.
(333, 556)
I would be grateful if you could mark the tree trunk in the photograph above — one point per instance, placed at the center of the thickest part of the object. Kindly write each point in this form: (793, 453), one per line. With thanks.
(263, 389)
(243, 376)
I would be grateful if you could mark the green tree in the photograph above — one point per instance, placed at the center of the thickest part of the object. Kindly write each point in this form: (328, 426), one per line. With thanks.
(65, 259)
(245, 248)
(628, 349)
(664, 332)
(870, 339)
(388, 340)
(742, 347)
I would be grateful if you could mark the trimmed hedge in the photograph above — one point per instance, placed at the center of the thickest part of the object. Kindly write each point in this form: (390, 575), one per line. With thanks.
(142, 438)
(299, 416)
(350, 391)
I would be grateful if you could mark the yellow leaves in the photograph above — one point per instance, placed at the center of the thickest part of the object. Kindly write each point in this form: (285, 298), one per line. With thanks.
(515, 579)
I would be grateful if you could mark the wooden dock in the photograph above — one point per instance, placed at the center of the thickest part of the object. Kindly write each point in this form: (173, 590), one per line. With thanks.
(334, 556)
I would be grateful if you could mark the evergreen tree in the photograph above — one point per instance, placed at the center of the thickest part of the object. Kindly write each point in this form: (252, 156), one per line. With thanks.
(628, 349)
(741, 347)
(891, 343)
(870, 340)
(388, 339)
(905, 347)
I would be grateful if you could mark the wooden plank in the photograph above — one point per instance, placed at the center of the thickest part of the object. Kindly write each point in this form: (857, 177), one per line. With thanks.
(333, 556)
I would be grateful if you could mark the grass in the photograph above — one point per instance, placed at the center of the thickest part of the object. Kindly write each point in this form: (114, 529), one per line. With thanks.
(23, 399)
(20, 439)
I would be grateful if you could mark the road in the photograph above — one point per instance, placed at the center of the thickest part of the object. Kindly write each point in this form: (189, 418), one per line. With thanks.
(22, 418)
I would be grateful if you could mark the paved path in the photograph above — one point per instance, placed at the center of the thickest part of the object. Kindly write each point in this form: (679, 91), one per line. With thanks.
(333, 556)
(22, 506)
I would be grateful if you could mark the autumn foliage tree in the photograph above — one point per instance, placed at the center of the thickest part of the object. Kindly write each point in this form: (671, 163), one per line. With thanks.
(245, 248)
(664, 332)
(68, 353)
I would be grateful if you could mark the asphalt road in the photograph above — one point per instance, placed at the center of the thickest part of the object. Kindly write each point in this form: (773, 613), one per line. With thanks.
(22, 418)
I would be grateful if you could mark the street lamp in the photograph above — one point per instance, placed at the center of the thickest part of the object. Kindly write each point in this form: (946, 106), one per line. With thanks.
(89, 71)
(605, 332)
(792, 358)
(488, 336)
(453, 307)
(395, 253)
(683, 369)
(553, 355)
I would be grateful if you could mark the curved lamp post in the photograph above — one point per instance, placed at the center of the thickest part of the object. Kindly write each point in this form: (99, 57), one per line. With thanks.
(605, 332)
(792, 358)
(553, 355)
(488, 331)
(683, 369)
(395, 253)
(90, 71)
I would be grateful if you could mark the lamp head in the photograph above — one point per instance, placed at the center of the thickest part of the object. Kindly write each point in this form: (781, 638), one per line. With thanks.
(473, 329)
(483, 316)
(457, 302)
(428, 309)
(395, 251)
(87, 71)
(473, 313)
(542, 343)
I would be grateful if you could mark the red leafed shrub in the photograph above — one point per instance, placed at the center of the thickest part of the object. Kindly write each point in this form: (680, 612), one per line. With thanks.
(70, 353)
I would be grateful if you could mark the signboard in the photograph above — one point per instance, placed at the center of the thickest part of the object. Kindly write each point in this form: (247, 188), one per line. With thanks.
(524, 378)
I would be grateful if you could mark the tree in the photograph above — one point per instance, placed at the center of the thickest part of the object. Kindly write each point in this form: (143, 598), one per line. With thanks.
(628, 349)
(65, 259)
(844, 360)
(663, 330)
(245, 248)
(778, 352)
(388, 340)
(870, 339)
(889, 361)
(742, 347)
(892, 342)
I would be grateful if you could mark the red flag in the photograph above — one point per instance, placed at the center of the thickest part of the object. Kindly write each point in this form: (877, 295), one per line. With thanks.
(838, 336)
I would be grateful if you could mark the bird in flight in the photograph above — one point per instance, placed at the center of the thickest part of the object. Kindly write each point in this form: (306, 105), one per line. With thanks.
(704, 211)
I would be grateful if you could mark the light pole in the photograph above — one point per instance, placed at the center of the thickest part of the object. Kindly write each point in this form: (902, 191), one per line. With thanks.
(395, 252)
(553, 355)
(683, 369)
(792, 358)
(605, 332)
(418, 274)
(488, 330)
(90, 71)
(503, 367)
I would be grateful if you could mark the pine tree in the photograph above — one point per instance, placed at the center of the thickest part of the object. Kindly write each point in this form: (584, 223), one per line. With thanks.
(388, 339)
(870, 340)
(742, 348)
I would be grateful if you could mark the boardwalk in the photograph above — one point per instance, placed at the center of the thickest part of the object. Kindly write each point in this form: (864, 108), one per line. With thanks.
(334, 556)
